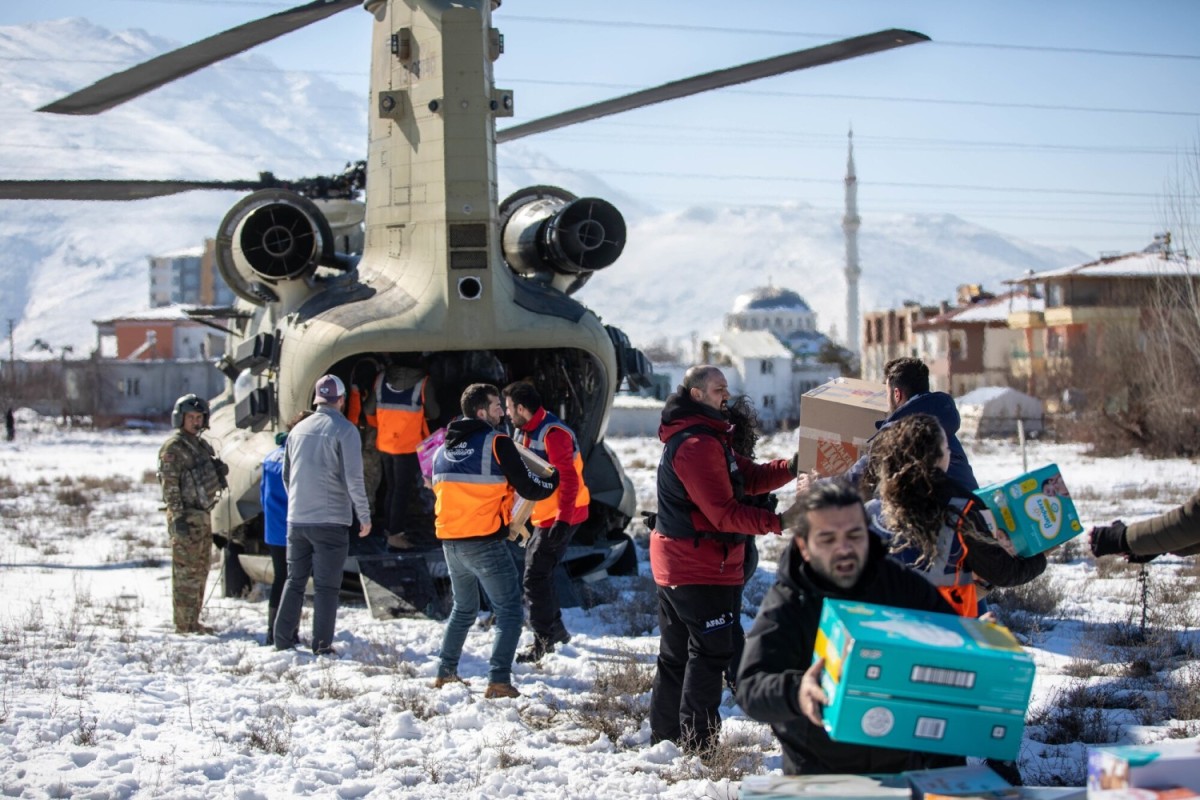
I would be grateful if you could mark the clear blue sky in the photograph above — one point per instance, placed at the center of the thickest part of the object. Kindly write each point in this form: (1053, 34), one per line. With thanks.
(1064, 123)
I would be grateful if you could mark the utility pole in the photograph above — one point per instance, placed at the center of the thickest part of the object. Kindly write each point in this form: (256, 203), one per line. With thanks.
(11, 379)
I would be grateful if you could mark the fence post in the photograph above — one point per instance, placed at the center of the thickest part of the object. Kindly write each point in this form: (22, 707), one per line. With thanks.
(1021, 442)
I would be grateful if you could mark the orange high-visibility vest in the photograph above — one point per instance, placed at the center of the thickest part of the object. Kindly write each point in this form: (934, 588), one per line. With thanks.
(474, 497)
(354, 405)
(400, 417)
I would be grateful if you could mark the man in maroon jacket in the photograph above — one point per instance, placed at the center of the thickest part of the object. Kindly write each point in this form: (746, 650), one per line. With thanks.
(696, 553)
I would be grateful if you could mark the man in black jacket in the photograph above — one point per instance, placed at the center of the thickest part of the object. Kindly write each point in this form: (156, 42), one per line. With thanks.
(833, 555)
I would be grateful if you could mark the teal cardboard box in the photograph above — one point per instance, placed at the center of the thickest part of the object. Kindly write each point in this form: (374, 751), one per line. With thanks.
(1034, 510)
(915, 680)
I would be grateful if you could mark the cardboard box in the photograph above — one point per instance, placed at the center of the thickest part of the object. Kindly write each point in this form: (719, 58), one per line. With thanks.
(970, 781)
(1169, 793)
(836, 420)
(843, 787)
(1034, 510)
(1161, 765)
(914, 680)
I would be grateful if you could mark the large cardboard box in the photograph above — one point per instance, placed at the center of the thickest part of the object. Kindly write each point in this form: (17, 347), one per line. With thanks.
(970, 781)
(1144, 766)
(836, 420)
(1034, 510)
(842, 787)
(914, 680)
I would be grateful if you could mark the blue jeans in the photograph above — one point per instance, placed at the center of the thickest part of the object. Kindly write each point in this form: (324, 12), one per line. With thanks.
(472, 564)
(319, 551)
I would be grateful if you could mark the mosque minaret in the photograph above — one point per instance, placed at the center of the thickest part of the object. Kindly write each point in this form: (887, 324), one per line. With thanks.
(850, 224)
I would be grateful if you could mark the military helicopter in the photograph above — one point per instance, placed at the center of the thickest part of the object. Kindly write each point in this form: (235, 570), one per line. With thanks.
(435, 268)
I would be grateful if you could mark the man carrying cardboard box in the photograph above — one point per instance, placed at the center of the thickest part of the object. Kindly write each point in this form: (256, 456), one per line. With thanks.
(834, 555)
(907, 381)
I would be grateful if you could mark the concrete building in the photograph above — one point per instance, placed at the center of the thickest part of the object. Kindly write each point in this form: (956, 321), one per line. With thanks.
(1086, 302)
(157, 334)
(890, 334)
(761, 369)
(188, 277)
(971, 345)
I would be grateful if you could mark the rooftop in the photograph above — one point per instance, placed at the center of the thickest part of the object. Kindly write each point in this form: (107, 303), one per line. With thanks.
(766, 298)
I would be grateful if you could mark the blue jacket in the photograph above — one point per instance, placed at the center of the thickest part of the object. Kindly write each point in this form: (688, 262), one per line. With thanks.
(273, 495)
(936, 404)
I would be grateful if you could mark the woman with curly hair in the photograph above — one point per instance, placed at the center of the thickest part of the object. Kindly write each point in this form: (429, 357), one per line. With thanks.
(932, 523)
(747, 429)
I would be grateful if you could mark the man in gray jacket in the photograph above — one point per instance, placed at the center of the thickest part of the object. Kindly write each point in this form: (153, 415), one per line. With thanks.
(322, 467)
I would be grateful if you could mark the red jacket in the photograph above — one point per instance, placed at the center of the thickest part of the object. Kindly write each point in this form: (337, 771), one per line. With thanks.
(702, 468)
(561, 453)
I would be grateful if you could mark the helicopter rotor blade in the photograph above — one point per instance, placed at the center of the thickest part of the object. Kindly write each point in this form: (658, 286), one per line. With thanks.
(111, 190)
(147, 76)
(789, 62)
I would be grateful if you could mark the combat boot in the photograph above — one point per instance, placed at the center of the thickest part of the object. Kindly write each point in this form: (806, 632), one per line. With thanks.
(446, 680)
(541, 646)
(498, 690)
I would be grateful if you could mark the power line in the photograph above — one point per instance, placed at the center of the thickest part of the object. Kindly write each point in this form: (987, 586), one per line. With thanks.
(894, 99)
(672, 26)
(710, 176)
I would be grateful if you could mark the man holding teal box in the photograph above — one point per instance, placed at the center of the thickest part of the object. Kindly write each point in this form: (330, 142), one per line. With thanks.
(833, 555)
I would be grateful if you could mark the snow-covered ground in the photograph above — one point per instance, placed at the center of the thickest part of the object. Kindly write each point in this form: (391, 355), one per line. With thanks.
(101, 699)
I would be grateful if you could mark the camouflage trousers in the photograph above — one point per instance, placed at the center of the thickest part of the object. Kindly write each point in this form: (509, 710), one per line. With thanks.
(191, 556)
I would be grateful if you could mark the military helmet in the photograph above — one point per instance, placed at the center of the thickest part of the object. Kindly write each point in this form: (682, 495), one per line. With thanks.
(185, 404)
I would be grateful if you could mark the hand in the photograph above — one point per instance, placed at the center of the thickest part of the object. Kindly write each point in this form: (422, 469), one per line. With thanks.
(650, 519)
(793, 464)
(558, 529)
(365, 530)
(1005, 542)
(791, 515)
(805, 481)
(990, 616)
(812, 697)
(1108, 540)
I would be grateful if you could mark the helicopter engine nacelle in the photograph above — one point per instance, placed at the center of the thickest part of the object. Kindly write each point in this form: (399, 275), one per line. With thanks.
(271, 239)
(552, 236)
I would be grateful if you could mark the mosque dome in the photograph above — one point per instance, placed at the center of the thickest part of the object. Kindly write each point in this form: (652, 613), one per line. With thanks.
(770, 298)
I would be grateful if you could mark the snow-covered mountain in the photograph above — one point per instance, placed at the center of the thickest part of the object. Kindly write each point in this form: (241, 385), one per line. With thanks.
(686, 268)
(67, 264)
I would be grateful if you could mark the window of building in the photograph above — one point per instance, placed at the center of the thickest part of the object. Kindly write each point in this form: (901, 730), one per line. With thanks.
(958, 345)
(766, 367)
(130, 387)
(768, 401)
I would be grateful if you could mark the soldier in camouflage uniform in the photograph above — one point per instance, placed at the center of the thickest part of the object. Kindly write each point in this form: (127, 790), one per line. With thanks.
(191, 476)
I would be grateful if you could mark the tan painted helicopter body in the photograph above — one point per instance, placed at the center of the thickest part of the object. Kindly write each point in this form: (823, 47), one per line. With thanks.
(432, 278)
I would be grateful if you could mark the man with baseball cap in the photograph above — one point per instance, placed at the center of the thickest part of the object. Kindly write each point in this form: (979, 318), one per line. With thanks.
(322, 468)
